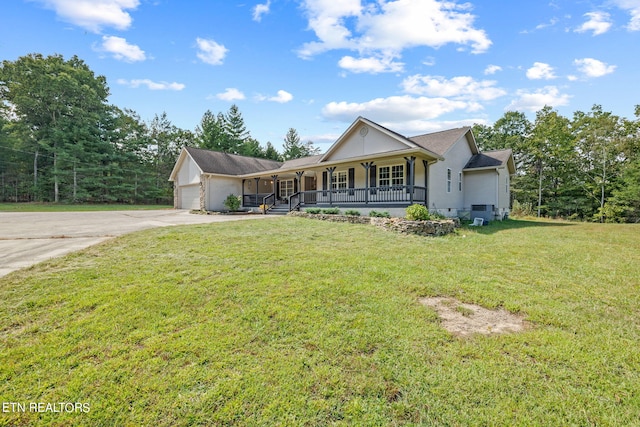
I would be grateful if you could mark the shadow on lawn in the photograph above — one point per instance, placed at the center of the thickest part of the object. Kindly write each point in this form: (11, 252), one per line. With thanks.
(510, 224)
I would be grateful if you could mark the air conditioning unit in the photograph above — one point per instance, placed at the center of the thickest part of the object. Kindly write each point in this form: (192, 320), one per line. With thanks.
(482, 211)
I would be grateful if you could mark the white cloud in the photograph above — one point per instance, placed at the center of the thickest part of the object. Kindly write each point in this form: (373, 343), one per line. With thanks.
(593, 68)
(121, 50)
(540, 71)
(395, 109)
(429, 61)
(387, 28)
(461, 87)
(551, 23)
(282, 97)
(93, 15)
(370, 65)
(261, 9)
(211, 52)
(151, 85)
(633, 7)
(231, 94)
(534, 101)
(598, 22)
(492, 69)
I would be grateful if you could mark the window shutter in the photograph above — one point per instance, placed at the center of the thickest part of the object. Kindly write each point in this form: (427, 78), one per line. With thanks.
(373, 171)
(325, 180)
(407, 176)
(352, 180)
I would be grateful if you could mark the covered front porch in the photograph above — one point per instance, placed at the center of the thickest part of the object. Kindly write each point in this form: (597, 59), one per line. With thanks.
(387, 184)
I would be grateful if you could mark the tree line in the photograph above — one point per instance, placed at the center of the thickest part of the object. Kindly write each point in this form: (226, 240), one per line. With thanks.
(61, 141)
(586, 167)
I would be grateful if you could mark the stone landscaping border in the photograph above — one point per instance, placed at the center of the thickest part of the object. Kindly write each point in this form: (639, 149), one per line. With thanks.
(438, 227)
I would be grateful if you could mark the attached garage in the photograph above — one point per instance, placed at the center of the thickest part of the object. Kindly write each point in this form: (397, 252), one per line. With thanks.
(189, 196)
(216, 172)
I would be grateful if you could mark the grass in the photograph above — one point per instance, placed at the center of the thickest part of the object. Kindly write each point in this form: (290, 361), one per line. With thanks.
(292, 321)
(63, 207)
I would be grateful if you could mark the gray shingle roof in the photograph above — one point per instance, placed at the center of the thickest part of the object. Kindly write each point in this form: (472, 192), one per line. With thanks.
(304, 161)
(439, 142)
(489, 159)
(229, 164)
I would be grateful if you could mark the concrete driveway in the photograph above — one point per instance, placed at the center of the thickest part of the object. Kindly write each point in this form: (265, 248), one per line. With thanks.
(27, 238)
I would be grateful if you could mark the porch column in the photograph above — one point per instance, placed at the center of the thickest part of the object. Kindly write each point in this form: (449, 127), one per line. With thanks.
(331, 170)
(275, 188)
(299, 179)
(412, 177)
(257, 189)
(425, 163)
(366, 167)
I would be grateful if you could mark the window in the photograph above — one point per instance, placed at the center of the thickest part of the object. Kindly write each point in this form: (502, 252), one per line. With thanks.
(459, 181)
(448, 180)
(391, 175)
(397, 175)
(286, 188)
(339, 180)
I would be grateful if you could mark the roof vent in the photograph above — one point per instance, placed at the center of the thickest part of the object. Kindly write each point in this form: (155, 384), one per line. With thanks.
(364, 131)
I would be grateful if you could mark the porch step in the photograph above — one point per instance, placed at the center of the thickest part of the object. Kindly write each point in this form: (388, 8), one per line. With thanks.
(278, 210)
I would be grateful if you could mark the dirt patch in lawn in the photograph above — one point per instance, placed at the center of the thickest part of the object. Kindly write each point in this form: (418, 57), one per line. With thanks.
(468, 319)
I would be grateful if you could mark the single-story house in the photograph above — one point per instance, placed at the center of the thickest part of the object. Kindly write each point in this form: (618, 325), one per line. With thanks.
(369, 167)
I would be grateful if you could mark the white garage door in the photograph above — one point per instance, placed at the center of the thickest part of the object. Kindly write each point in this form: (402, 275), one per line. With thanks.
(190, 197)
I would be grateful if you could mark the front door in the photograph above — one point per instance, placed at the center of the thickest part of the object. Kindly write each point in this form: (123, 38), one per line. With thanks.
(310, 185)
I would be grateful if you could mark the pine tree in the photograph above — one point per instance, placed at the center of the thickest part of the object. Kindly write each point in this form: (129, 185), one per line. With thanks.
(235, 130)
(294, 149)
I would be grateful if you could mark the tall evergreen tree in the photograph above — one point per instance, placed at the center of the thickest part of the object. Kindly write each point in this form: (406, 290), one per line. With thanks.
(271, 153)
(294, 149)
(211, 133)
(235, 129)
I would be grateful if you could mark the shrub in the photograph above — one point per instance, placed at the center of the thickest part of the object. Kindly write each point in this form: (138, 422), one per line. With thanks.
(376, 214)
(232, 202)
(418, 212)
(436, 215)
(331, 211)
(313, 210)
(352, 213)
(522, 209)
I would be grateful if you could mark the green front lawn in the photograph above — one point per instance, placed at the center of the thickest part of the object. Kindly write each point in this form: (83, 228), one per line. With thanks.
(292, 321)
(62, 207)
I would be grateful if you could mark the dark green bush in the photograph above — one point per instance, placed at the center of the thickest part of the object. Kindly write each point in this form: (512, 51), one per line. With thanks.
(331, 211)
(313, 210)
(352, 213)
(376, 214)
(232, 202)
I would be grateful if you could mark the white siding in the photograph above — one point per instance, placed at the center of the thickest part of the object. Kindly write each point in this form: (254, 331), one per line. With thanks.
(504, 190)
(189, 172)
(480, 188)
(217, 190)
(448, 203)
(356, 145)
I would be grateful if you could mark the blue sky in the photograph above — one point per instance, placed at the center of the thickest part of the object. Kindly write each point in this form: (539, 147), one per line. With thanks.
(414, 66)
